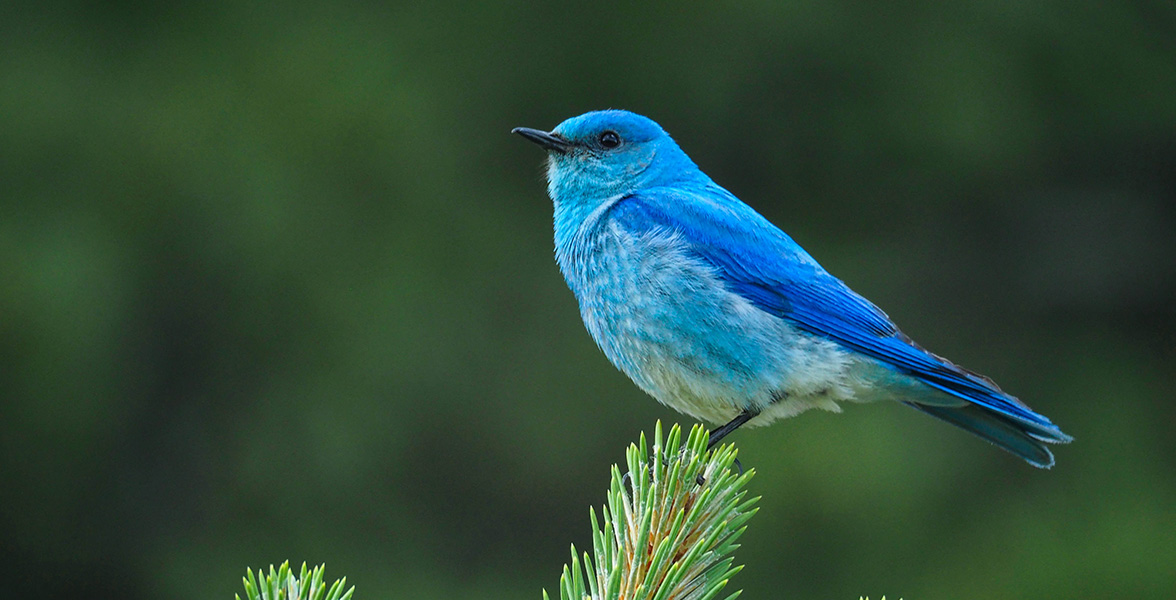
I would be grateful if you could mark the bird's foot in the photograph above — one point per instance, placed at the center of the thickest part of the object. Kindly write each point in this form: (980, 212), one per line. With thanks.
(700, 480)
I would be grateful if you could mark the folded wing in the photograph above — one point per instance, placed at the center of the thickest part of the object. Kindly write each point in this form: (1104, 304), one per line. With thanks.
(764, 265)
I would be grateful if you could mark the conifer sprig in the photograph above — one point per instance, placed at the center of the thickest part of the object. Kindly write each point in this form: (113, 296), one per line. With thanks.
(283, 585)
(668, 533)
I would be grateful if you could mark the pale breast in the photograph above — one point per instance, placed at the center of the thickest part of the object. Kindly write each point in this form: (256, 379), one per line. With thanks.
(665, 318)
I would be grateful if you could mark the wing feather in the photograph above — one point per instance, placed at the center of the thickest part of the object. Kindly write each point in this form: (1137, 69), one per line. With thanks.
(764, 265)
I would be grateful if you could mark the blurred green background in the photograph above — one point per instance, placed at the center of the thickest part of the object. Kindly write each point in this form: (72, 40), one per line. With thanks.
(278, 283)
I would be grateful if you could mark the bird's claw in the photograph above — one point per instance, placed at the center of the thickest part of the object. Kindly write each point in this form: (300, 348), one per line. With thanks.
(700, 480)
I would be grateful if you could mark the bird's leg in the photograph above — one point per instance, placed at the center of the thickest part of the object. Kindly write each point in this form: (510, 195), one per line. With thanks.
(717, 435)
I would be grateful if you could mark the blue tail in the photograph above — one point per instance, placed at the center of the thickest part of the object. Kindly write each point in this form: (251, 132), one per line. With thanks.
(1022, 437)
(975, 404)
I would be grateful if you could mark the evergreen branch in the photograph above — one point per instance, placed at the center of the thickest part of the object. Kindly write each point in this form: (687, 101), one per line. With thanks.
(283, 585)
(666, 535)
(665, 532)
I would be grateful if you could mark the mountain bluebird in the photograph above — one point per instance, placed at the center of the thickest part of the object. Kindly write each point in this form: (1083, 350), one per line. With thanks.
(717, 313)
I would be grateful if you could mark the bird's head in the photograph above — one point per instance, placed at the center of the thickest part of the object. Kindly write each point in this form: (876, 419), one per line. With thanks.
(603, 154)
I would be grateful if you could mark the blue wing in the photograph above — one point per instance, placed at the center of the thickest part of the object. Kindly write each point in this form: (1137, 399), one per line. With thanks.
(762, 264)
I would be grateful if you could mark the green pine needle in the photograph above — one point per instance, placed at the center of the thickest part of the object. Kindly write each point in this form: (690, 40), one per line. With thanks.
(666, 531)
(283, 585)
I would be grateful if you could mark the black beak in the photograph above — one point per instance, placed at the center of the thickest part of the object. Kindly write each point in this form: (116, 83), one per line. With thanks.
(549, 141)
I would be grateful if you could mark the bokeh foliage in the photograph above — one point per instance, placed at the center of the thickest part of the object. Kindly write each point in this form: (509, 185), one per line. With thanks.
(277, 282)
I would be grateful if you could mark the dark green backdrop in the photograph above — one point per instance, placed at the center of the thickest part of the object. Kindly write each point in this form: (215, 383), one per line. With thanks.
(276, 282)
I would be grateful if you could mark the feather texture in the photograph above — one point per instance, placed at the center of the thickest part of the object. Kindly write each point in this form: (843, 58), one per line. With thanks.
(715, 311)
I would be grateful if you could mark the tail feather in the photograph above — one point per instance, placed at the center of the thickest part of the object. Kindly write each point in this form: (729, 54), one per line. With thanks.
(1021, 437)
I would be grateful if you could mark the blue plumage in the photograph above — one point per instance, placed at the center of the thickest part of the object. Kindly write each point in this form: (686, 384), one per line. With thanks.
(716, 312)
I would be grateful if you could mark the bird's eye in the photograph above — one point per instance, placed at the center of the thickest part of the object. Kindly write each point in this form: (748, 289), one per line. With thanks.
(610, 140)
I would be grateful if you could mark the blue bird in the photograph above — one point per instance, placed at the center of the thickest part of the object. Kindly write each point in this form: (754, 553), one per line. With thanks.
(717, 313)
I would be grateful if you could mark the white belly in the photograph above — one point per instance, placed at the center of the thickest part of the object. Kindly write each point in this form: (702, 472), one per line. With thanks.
(667, 321)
